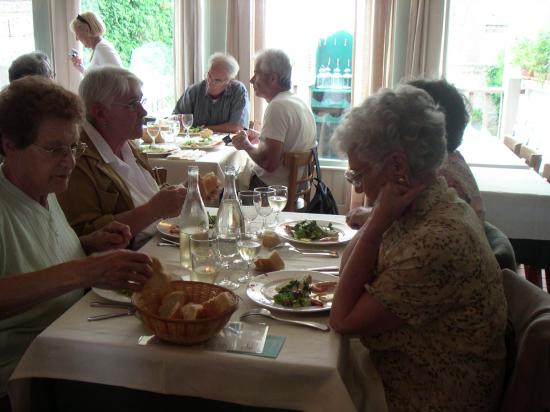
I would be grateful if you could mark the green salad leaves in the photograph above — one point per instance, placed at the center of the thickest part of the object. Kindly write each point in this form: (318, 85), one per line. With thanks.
(295, 293)
(310, 230)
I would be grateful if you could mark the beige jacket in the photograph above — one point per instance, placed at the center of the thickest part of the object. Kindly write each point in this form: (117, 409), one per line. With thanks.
(96, 193)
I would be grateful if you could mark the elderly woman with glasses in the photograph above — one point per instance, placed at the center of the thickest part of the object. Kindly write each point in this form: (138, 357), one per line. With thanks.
(43, 264)
(113, 180)
(89, 29)
(418, 282)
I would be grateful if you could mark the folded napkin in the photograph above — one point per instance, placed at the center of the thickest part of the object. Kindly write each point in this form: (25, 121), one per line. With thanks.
(187, 155)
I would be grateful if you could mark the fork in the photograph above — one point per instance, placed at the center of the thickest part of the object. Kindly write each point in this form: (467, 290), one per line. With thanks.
(306, 252)
(268, 314)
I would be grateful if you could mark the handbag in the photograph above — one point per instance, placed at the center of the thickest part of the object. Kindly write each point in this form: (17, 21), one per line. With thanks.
(322, 201)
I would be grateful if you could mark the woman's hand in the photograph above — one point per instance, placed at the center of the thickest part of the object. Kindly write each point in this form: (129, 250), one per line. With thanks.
(168, 201)
(77, 62)
(115, 235)
(121, 269)
(357, 217)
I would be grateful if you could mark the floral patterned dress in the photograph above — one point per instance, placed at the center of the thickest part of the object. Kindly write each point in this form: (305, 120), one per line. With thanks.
(437, 272)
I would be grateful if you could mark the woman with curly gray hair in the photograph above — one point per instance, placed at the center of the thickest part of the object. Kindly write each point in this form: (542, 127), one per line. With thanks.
(419, 282)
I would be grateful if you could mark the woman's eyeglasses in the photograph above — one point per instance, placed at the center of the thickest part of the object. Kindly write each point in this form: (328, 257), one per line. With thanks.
(58, 152)
(354, 177)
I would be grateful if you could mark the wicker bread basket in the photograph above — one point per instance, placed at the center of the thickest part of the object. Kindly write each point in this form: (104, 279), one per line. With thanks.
(187, 332)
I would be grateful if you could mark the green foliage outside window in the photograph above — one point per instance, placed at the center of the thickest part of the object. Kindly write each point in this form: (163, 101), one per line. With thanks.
(533, 56)
(131, 23)
(493, 77)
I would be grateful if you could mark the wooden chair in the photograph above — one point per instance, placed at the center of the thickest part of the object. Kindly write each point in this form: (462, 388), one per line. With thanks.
(546, 171)
(160, 174)
(532, 158)
(299, 188)
(512, 144)
(527, 346)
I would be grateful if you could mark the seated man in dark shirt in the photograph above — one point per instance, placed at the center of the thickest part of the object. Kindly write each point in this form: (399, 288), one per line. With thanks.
(220, 102)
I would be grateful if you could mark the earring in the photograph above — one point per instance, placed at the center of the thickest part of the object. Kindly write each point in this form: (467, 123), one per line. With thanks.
(401, 180)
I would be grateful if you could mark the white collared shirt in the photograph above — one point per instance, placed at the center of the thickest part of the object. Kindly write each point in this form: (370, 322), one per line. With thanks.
(139, 181)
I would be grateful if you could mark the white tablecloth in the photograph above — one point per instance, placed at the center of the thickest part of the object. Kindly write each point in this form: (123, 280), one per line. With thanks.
(517, 201)
(214, 160)
(307, 375)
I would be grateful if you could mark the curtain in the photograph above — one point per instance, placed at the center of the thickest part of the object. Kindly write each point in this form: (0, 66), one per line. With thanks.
(188, 41)
(427, 38)
(372, 55)
(63, 40)
(246, 36)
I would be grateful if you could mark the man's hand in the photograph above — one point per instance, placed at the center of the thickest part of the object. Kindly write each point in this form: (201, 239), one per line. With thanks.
(240, 141)
(115, 235)
(168, 201)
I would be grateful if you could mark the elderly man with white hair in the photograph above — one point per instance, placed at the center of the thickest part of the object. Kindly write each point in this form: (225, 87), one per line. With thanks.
(220, 102)
(288, 124)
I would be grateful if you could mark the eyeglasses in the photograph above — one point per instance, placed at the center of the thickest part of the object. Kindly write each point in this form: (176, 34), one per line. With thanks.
(133, 105)
(216, 82)
(354, 177)
(59, 152)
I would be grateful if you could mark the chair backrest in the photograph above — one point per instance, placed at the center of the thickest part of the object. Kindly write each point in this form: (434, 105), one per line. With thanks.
(529, 316)
(501, 246)
(546, 171)
(160, 174)
(532, 158)
(512, 144)
(299, 183)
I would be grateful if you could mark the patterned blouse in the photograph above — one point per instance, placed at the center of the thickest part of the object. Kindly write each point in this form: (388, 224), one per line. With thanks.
(437, 272)
(458, 175)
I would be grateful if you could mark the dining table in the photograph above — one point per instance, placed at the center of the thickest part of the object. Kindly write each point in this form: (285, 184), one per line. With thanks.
(309, 373)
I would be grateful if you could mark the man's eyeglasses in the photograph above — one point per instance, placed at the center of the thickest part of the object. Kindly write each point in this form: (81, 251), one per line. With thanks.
(133, 105)
(216, 82)
(59, 152)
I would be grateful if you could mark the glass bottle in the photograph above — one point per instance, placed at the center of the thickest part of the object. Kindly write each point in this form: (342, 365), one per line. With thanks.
(193, 217)
(337, 76)
(347, 76)
(229, 226)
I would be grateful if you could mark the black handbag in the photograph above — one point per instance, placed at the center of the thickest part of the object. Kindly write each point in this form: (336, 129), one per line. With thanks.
(323, 201)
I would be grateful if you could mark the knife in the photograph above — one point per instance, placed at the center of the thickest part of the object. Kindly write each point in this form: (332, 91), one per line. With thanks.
(328, 269)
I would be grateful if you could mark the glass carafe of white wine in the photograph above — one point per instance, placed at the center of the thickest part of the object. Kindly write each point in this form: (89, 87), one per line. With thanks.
(229, 225)
(193, 217)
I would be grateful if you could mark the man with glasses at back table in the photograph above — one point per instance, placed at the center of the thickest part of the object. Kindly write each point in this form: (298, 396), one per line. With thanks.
(220, 102)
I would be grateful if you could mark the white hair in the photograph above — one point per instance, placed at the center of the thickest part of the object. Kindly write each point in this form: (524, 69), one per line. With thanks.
(228, 62)
(405, 120)
(273, 61)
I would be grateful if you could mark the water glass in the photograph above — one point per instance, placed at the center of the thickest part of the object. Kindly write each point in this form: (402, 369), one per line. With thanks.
(250, 205)
(265, 208)
(248, 245)
(187, 122)
(278, 201)
(167, 130)
(205, 259)
(176, 125)
(153, 130)
(227, 249)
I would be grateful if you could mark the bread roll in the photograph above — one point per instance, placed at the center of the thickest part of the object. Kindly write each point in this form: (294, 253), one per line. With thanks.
(171, 304)
(160, 279)
(191, 311)
(270, 239)
(272, 263)
(206, 133)
(217, 305)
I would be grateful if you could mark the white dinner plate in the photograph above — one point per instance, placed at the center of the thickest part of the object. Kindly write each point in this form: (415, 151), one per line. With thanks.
(112, 295)
(262, 288)
(158, 150)
(165, 226)
(198, 143)
(345, 233)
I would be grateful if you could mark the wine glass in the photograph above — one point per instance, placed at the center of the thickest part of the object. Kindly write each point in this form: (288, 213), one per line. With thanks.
(167, 130)
(187, 122)
(278, 201)
(265, 207)
(176, 125)
(227, 248)
(249, 246)
(250, 205)
(153, 130)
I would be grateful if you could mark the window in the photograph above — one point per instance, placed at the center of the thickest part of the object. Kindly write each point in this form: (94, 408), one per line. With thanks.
(142, 32)
(499, 48)
(318, 37)
(16, 33)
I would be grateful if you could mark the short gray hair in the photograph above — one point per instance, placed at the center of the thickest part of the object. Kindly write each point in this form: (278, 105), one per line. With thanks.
(34, 63)
(229, 63)
(104, 84)
(273, 61)
(405, 120)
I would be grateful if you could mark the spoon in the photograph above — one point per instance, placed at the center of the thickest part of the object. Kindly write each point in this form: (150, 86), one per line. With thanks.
(268, 314)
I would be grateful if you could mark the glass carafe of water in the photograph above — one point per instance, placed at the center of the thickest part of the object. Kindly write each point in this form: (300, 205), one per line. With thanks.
(193, 217)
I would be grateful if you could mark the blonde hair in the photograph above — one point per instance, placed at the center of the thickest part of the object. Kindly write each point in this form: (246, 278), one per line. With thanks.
(88, 23)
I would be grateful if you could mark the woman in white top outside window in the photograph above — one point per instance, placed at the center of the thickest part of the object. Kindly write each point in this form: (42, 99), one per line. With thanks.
(89, 29)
